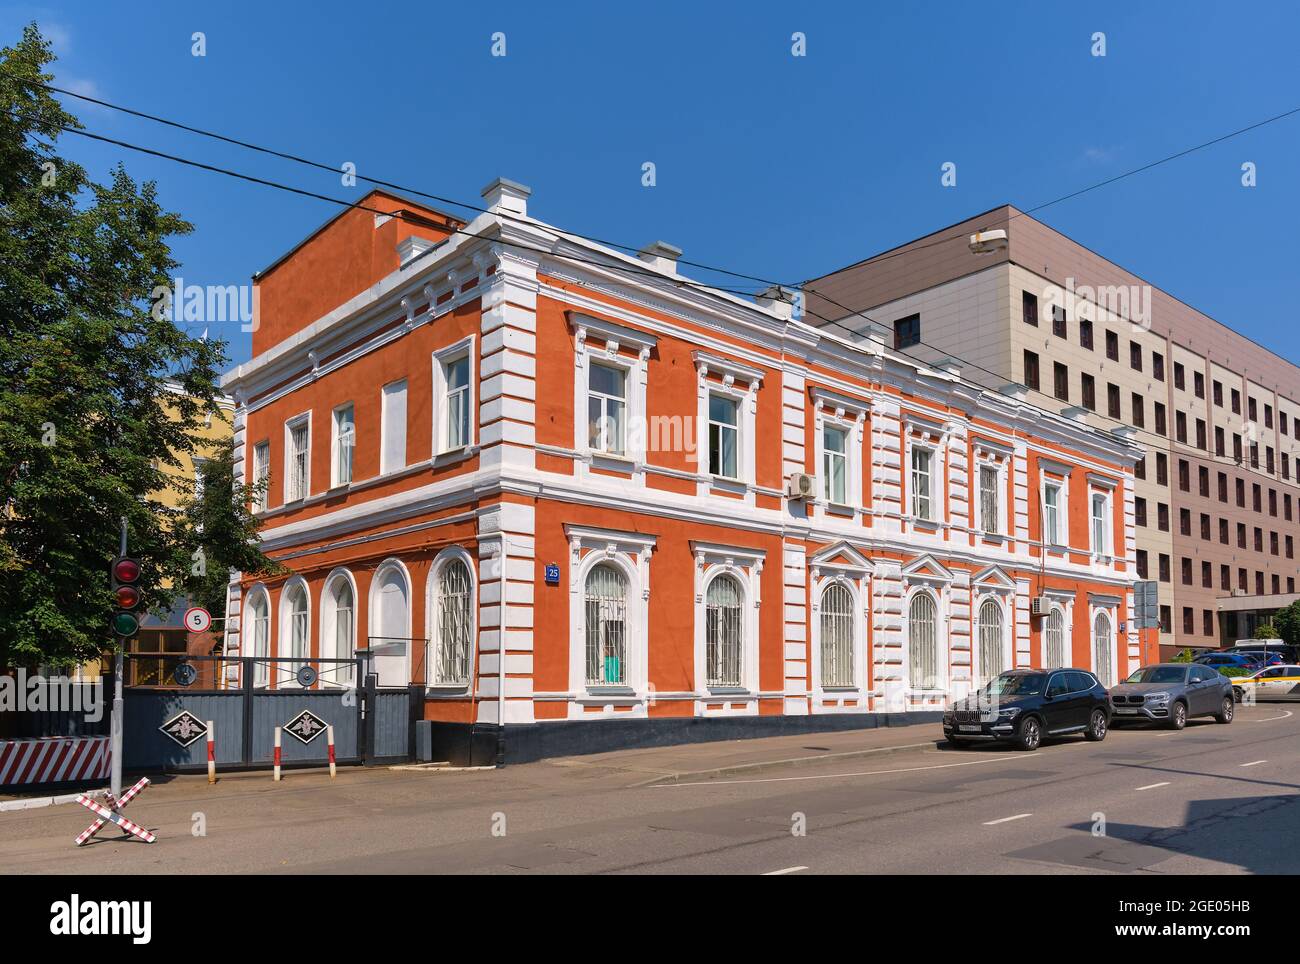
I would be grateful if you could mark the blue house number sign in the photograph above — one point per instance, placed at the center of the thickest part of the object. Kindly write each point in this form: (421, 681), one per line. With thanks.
(552, 574)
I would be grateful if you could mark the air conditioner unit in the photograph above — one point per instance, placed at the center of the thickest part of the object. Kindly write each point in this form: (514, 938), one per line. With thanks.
(801, 485)
(1040, 606)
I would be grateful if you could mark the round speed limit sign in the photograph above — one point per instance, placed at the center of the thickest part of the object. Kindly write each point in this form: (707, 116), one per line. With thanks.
(198, 620)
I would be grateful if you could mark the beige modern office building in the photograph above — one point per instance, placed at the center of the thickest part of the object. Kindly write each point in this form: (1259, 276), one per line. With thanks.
(1218, 497)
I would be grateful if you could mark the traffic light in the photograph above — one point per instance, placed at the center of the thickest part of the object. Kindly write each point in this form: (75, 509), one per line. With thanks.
(126, 573)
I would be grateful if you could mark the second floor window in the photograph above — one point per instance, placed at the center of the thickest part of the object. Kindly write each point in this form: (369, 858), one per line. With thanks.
(1051, 515)
(298, 457)
(1100, 544)
(922, 503)
(835, 465)
(988, 498)
(607, 409)
(345, 437)
(457, 374)
(724, 436)
(392, 454)
(262, 472)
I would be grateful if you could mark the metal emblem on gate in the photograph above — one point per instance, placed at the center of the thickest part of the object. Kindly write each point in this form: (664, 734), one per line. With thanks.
(185, 674)
(184, 728)
(305, 727)
(306, 676)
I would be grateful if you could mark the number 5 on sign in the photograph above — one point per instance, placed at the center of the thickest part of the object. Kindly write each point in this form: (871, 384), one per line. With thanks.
(198, 620)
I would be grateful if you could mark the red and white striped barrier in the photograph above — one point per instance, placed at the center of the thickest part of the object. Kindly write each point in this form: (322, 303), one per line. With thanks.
(121, 804)
(277, 753)
(212, 753)
(59, 759)
(329, 735)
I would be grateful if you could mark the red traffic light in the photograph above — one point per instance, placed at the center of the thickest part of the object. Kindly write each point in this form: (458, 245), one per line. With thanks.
(128, 597)
(126, 570)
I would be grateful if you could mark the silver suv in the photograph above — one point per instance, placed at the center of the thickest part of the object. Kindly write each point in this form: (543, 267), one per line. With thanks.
(1172, 693)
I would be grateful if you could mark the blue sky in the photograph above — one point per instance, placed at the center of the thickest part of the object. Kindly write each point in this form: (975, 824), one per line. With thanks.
(778, 166)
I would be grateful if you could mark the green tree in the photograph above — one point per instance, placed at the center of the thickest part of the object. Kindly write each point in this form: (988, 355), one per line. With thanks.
(1287, 623)
(215, 532)
(89, 432)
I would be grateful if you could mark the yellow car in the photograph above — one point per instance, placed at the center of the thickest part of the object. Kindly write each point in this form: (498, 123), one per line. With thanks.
(1270, 683)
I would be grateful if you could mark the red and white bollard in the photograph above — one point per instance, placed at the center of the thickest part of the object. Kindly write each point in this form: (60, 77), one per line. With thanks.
(212, 753)
(277, 753)
(329, 735)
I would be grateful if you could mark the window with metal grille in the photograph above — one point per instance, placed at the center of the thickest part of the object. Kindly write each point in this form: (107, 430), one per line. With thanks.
(1102, 648)
(606, 609)
(837, 637)
(723, 632)
(298, 455)
(921, 482)
(262, 472)
(453, 623)
(1055, 638)
(835, 465)
(991, 650)
(923, 642)
(989, 498)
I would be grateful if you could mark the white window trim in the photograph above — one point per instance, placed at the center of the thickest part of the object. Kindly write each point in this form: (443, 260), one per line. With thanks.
(289, 425)
(464, 348)
(261, 672)
(262, 502)
(835, 411)
(383, 425)
(942, 630)
(746, 567)
(443, 559)
(392, 563)
(630, 552)
(827, 568)
(1000, 597)
(720, 376)
(935, 469)
(618, 341)
(282, 677)
(1064, 601)
(334, 674)
(1001, 528)
(1060, 540)
(1109, 606)
(1103, 552)
(336, 446)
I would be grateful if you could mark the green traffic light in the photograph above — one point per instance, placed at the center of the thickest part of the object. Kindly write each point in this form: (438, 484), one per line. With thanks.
(125, 624)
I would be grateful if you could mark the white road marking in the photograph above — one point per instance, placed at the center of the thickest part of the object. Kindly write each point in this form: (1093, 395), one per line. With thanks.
(1019, 816)
(826, 776)
(784, 870)
(1270, 719)
(1254, 763)
(1152, 786)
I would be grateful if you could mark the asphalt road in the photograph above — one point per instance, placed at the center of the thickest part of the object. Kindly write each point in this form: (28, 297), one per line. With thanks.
(1209, 800)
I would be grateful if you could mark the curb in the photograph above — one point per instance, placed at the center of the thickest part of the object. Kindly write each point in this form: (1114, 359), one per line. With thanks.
(668, 779)
(32, 803)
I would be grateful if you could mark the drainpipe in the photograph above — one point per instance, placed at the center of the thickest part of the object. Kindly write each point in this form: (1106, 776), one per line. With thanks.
(501, 657)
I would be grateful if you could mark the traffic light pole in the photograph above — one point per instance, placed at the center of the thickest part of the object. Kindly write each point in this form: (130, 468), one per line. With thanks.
(115, 721)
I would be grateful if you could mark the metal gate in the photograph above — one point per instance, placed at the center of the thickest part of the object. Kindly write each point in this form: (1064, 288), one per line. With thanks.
(247, 698)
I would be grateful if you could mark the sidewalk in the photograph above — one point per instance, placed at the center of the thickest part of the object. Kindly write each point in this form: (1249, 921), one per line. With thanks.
(696, 761)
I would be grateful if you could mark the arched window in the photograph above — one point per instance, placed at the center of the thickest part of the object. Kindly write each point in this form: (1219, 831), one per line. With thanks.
(606, 610)
(454, 624)
(338, 629)
(991, 649)
(837, 636)
(390, 624)
(259, 634)
(723, 632)
(298, 625)
(923, 642)
(1055, 638)
(1101, 644)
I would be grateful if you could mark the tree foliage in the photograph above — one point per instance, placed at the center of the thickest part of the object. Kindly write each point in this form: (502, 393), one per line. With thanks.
(99, 397)
(1287, 623)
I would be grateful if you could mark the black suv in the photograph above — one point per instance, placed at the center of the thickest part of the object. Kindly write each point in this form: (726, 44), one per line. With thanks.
(1025, 705)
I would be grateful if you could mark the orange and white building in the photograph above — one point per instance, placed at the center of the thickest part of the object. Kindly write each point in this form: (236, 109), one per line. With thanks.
(569, 490)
